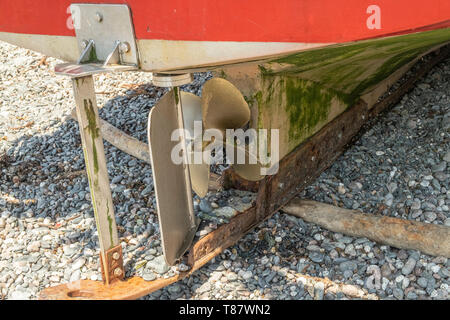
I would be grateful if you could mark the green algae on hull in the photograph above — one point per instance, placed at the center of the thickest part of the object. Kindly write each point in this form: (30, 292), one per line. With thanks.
(356, 67)
(297, 107)
(307, 104)
(313, 84)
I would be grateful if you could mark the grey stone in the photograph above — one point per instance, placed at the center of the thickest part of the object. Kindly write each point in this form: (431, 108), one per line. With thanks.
(423, 282)
(348, 265)
(20, 295)
(439, 167)
(409, 266)
(316, 257)
(117, 179)
(318, 291)
(226, 212)
(158, 265)
(205, 206)
(75, 276)
(447, 157)
(398, 293)
(206, 287)
(148, 275)
(411, 295)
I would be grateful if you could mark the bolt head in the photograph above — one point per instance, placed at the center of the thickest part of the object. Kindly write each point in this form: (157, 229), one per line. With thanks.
(117, 272)
(84, 44)
(98, 17)
(116, 256)
(124, 47)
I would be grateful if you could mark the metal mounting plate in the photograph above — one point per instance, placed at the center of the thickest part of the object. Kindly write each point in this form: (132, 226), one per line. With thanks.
(171, 80)
(81, 70)
(105, 24)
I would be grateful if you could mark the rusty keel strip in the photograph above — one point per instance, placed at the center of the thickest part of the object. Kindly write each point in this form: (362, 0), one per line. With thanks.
(297, 170)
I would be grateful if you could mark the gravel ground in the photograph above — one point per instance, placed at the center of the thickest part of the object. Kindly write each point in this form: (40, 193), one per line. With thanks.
(47, 230)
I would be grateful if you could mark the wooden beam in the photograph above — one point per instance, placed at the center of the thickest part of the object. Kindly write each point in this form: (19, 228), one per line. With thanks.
(428, 238)
(138, 149)
(121, 140)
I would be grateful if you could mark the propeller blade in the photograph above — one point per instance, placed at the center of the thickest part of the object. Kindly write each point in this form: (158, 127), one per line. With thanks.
(245, 163)
(192, 111)
(199, 177)
(223, 106)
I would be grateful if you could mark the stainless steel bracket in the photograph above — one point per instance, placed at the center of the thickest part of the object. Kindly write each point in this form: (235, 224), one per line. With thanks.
(105, 35)
(105, 25)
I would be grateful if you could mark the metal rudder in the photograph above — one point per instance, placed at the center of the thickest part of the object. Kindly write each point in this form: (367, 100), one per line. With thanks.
(172, 182)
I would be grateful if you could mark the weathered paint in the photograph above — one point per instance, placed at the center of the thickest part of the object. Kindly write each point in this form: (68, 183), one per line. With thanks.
(308, 21)
(92, 128)
(110, 224)
(92, 143)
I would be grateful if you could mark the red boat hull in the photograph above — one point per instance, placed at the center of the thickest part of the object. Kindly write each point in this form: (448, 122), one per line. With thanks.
(305, 21)
(181, 35)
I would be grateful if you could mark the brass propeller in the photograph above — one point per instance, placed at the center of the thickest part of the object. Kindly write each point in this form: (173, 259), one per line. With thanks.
(192, 111)
(221, 107)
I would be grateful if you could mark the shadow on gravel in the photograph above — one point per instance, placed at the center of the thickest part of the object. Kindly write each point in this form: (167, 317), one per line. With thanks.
(43, 183)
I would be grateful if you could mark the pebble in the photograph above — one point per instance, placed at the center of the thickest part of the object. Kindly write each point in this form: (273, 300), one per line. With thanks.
(34, 246)
(398, 293)
(75, 276)
(348, 265)
(423, 282)
(226, 212)
(447, 157)
(78, 263)
(20, 295)
(319, 291)
(247, 275)
(158, 265)
(430, 216)
(148, 276)
(316, 257)
(205, 206)
(409, 266)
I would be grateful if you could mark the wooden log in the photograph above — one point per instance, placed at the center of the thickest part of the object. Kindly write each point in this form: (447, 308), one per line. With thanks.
(428, 238)
(136, 148)
(121, 140)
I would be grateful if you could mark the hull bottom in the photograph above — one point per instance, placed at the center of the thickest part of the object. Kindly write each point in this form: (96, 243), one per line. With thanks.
(165, 55)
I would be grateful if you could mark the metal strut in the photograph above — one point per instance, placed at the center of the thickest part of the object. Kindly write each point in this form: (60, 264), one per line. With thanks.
(94, 155)
(105, 35)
